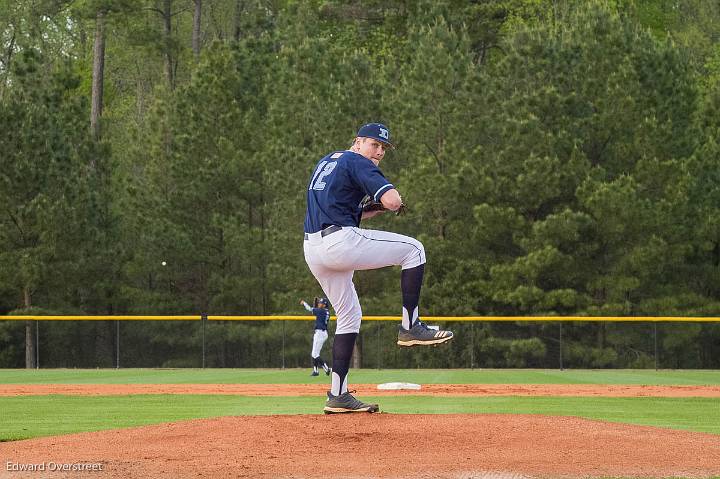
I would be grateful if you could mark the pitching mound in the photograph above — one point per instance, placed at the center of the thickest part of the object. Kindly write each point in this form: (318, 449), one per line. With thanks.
(375, 446)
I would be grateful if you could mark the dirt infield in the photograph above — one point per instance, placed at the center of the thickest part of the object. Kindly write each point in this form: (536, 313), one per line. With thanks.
(471, 446)
(364, 389)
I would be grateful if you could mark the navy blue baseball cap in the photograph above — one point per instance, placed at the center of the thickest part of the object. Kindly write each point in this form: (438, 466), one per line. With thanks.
(377, 131)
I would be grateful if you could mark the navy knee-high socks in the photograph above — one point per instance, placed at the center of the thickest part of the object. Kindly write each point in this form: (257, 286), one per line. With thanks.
(410, 283)
(343, 346)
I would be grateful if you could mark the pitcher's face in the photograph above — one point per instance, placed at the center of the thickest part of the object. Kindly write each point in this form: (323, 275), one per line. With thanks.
(370, 148)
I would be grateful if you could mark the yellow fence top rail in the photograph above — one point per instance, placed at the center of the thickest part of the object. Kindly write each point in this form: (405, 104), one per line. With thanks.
(194, 317)
(197, 317)
(484, 318)
(213, 317)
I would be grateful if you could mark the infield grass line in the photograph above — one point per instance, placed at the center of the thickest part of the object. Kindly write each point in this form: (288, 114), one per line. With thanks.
(35, 416)
(360, 376)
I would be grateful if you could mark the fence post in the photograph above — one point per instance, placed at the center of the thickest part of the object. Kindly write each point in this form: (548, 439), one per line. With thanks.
(561, 356)
(472, 345)
(655, 340)
(283, 345)
(203, 319)
(117, 344)
(377, 343)
(37, 344)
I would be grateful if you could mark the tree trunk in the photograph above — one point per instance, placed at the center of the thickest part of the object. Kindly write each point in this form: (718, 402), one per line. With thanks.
(196, 28)
(222, 357)
(263, 264)
(357, 354)
(6, 64)
(98, 73)
(29, 337)
(237, 31)
(167, 23)
(103, 344)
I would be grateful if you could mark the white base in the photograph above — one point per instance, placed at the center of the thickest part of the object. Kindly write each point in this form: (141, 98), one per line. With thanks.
(395, 386)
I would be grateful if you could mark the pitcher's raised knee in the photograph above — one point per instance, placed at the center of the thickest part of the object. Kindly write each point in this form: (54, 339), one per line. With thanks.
(415, 256)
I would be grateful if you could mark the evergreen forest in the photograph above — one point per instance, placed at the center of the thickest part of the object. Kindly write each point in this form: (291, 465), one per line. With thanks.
(557, 158)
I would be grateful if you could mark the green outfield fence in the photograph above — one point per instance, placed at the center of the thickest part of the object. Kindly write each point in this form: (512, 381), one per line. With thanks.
(289, 346)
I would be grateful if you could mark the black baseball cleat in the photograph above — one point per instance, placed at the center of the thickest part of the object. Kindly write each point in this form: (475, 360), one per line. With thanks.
(346, 403)
(314, 373)
(421, 335)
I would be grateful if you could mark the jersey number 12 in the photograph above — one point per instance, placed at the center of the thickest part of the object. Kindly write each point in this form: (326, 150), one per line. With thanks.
(323, 169)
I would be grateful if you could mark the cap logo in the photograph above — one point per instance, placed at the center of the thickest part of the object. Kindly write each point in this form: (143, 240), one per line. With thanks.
(384, 133)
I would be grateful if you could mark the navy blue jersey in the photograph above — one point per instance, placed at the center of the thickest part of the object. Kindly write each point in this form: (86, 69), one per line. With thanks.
(322, 316)
(338, 185)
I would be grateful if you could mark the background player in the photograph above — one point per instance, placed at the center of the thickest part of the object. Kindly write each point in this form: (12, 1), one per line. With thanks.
(335, 247)
(322, 315)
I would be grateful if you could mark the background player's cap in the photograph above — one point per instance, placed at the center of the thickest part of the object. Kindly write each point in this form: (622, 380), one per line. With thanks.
(377, 131)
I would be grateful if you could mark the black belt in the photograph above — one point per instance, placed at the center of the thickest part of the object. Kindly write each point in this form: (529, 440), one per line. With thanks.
(327, 231)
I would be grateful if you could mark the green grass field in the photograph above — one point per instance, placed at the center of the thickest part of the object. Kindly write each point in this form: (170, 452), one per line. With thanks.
(34, 416)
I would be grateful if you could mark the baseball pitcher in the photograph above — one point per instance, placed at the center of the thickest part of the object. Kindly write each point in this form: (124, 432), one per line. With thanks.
(345, 187)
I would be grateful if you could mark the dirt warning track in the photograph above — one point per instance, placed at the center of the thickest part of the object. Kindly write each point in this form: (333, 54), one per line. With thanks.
(364, 389)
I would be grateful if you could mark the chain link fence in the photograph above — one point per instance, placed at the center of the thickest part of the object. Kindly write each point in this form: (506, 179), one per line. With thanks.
(286, 341)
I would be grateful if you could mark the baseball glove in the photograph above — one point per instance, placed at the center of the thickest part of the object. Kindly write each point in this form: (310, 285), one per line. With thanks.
(368, 204)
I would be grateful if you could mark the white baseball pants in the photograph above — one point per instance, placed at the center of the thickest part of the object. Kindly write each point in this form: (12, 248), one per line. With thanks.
(334, 258)
(318, 340)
